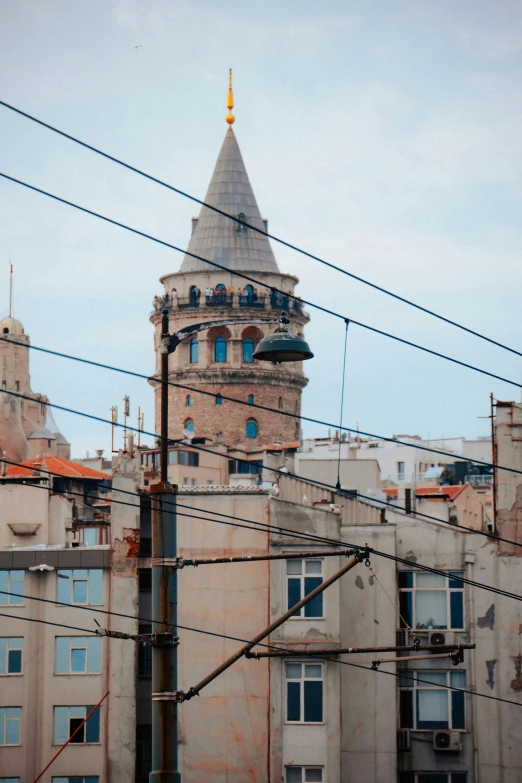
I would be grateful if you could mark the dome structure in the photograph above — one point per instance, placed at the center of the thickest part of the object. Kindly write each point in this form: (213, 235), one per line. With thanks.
(11, 325)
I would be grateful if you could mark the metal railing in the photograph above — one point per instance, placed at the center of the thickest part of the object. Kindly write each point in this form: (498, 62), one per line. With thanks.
(227, 299)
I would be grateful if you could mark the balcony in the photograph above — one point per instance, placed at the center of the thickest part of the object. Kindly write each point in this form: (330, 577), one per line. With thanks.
(229, 300)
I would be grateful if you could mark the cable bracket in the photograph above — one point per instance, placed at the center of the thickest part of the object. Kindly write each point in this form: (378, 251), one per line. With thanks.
(175, 696)
(164, 640)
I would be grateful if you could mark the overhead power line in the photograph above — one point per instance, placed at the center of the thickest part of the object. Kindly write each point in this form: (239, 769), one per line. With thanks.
(402, 675)
(462, 458)
(258, 282)
(238, 220)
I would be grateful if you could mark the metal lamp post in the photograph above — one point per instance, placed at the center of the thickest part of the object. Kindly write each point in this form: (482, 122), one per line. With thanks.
(282, 346)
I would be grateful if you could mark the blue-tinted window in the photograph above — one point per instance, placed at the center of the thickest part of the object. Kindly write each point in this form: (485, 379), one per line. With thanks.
(78, 655)
(220, 349)
(68, 719)
(11, 655)
(80, 586)
(12, 585)
(431, 601)
(304, 692)
(436, 705)
(188, 400)
(10, 718)
(194, 350)
(250, 399)
(219, 399)
(303, 576)
(251, 428)
(76, 779)
(189, 426)
(248, 350)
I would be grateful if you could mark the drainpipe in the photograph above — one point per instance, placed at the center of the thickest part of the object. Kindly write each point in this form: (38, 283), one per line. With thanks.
(469, 559)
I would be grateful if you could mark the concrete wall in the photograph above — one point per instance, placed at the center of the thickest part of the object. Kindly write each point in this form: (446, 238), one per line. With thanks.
(358, 474)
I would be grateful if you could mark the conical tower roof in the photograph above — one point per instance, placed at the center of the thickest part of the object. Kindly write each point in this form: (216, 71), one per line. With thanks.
(218, 238)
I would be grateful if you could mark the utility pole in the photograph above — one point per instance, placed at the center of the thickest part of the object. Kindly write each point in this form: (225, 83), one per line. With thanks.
(164, 600)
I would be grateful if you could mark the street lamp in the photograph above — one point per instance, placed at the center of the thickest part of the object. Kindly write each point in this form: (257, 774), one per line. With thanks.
(282, 346)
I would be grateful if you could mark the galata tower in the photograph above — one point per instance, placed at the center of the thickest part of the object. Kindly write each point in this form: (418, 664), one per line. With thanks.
(220, 360)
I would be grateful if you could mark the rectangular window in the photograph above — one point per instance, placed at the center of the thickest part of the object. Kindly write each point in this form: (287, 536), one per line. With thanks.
(431, 600)
(11, 582)
(427, 701)
(10, 780)
(11, 655)
(78, 655)
(10, 718)
(441, 777)
(173, 457)
(303, 576)
(67, 720)
(80, 586)
(304, 775)
(304, 692)
(94, 535)
(400, 471)
(76, 779)
(145, 653)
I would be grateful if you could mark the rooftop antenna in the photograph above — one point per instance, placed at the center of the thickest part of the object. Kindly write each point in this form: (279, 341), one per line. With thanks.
(141, 419)
(230, 100)
(126, 412)
(114, 418)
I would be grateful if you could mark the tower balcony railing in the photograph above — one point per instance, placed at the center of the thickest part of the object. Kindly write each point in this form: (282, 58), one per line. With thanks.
(274, 301)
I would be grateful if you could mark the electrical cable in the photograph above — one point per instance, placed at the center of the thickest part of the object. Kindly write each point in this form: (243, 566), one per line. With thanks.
(402, 675)
(242, 222)
(45, 622)
(319, 539)
(462, 458)
(288, 295)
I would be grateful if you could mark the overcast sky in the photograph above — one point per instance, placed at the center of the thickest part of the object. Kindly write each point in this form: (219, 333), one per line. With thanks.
(384, 137)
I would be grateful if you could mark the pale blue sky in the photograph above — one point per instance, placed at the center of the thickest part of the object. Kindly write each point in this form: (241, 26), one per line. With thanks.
(385, 137)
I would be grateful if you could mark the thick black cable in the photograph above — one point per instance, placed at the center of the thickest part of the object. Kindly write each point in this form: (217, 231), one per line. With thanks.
(45, 622)
(462, 458)
(402, 675)
(319, 539)
(258, 282)
(236, 219)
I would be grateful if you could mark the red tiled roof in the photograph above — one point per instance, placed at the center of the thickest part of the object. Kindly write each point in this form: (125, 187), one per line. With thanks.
(431, 493)
(56, 465)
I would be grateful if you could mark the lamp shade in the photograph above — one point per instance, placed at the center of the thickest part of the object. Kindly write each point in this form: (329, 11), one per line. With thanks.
(283, 347)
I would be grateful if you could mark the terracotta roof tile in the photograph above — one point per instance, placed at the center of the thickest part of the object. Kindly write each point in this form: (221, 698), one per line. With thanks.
(57, 465)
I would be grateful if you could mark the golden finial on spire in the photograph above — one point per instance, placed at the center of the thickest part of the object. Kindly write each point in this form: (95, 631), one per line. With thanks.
(230, 102)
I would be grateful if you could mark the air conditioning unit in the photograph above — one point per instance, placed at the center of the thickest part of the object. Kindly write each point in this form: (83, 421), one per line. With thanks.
(437, 639)
(403, 740)
(447, 740)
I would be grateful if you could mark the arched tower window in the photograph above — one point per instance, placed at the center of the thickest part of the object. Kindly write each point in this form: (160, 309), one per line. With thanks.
(280, 403)
(194, 295)
(220, 349)
(189, 426)
(250, 399)
(221, 287)
(189, 401)
(219, 399)
(251, 428)
(241, 226)
(194, 350)
(248, 350)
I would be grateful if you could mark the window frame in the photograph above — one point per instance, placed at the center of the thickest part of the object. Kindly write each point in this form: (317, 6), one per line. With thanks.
(302, 577)
(248, 355)
(87, 708)
(302, 691)
(194, 351)
(68, 778)
(413, 590)
(220, 342)
(190, 426)
(89, 654)
(249, 423)
(60, 577)
(455, 699)
(304, 769)
(451, 777)
(4, 718)
(6, 655)
(7, 600)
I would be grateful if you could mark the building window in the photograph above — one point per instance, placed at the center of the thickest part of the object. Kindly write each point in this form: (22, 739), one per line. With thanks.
(194, 350)
(241, 226)
(220, 349)
(425, 706)
(145, 653)
(76, 779)
(303, 576)
(10, 718)
(10, 780)
(250, 399)
(78, 655)
(143, 752)
(11, 582)
(189, 426)
(248, 350)
(280, 403)
(219, 399)
(80, 586)
(304, 692)
(94, 535)
(251, 428)
(67, 720)
(434, 777)
(431, 600)
(304, 775)
(400, 471)
(11, 655)
(185, 482)
(145, 580)
(189, 458)
(188, 401)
